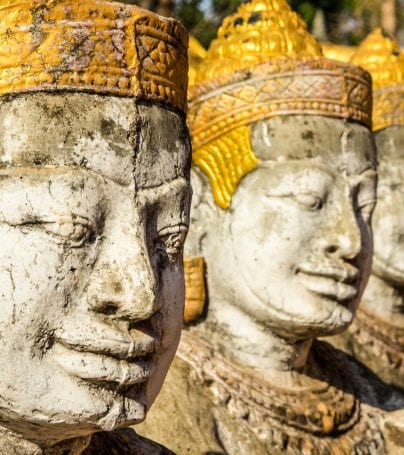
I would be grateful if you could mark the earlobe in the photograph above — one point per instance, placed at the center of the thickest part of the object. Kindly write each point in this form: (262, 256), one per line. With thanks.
(195, 288)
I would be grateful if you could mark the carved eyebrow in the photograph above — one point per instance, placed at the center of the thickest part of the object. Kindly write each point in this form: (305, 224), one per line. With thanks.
(365, 169)
(301, 167)
(55, 170)
(154, 194)
(369, 172)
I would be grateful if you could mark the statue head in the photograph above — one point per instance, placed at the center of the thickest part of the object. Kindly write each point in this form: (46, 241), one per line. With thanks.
(284, 175)
(94, 196)
(382, 57)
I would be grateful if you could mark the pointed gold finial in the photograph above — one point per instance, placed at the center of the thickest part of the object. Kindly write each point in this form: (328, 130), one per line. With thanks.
(381, 56)
(260, 30)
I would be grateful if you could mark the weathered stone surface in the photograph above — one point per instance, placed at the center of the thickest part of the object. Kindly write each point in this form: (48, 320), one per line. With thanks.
(286, 263)
(90, 265)
(377, 336)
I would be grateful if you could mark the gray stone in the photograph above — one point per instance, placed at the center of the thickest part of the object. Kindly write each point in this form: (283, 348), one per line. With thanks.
(90, 266)
(285, 264)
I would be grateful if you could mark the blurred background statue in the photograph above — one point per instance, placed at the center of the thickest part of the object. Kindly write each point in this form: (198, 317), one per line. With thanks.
(377, 337)
(280, 250)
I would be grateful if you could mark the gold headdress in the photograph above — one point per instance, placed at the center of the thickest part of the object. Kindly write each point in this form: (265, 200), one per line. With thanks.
(91, 45)
(338, 51)
(382, 57)
(264, 63)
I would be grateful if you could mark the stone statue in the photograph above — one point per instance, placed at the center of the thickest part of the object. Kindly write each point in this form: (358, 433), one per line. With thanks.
(284, 189)
(377, 336)
(94, 196)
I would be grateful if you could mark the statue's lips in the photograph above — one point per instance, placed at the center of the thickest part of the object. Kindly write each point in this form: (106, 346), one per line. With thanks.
(119, 347)
(339, 284)
(387, 271)
(125, 366)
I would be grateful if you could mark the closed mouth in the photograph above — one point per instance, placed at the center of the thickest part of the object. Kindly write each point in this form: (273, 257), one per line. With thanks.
(394, 274)
(127, 351)
(348, 275)
(124, 366)
(339, 284)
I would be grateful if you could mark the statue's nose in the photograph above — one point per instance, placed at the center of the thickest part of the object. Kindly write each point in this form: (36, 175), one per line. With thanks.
(343, 237)
(123, 284)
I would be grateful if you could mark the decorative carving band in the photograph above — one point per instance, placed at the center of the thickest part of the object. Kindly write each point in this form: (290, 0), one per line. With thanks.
(92, 45)
(315, 86)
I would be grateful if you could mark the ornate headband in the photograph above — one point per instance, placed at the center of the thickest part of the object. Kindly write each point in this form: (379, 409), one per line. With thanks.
(283, 86)
(92, 45)
(383, 58)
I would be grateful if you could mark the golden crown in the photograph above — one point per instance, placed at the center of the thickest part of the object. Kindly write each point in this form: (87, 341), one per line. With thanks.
(92, 45)
(258, 31)
(264, 63)
(382, 57)
(338, 51)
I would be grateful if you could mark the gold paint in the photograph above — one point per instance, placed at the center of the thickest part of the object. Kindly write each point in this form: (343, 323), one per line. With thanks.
(338, 51)
(382, 57)
(328, 424)
(196, 55)
(195, 293)
(259, 31)
(91, 45)
(226, 161)
(264, 63)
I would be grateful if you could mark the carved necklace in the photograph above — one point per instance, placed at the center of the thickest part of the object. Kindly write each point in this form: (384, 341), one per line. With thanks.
(319, 420)
(381, 340)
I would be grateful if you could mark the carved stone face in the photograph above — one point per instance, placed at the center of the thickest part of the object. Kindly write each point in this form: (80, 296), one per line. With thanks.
(388, 262)
(94, 196)
(297, 241)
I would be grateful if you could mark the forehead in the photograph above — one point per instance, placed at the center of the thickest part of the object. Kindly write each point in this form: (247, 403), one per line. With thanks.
(334, 142)
(119, 138)
(40, 191)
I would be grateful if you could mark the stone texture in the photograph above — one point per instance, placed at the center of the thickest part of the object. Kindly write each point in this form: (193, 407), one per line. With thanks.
(377, 337)
(285, 264)
(90, 266)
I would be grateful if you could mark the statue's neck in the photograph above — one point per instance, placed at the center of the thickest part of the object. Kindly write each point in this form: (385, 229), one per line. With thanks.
(384, 300)
(250, 344)
(13, 443)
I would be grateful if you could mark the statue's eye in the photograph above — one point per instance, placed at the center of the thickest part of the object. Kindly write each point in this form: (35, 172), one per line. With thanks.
(77, 231)
(309, 201)
(171, 240)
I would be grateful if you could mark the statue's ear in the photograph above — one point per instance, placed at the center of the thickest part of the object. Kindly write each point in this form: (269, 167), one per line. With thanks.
(195, 288)
(203, 210)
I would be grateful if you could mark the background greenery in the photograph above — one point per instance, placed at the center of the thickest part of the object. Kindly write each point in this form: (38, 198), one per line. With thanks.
(338, 21)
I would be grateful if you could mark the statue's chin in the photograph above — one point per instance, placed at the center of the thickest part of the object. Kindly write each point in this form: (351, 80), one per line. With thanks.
(388, 272)
(303, 326)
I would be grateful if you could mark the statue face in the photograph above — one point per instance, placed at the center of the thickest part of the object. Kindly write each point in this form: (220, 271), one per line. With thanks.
(91, 260)
(300, 225)
(388, 220)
